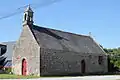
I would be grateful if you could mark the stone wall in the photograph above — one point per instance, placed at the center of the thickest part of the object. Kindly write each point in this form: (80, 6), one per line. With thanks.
(26, 47)
(42, 61)
(56, 62)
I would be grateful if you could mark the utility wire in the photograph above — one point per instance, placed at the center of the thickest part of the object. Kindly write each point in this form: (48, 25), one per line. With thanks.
(10, 15)
(17, 11)
(34, 6)
(43, 4)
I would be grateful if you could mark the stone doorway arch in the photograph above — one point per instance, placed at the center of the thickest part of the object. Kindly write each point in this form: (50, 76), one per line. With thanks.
(24, 67)
(83, 66)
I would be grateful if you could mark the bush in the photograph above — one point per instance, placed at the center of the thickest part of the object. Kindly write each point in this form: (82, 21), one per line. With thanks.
(8, 70)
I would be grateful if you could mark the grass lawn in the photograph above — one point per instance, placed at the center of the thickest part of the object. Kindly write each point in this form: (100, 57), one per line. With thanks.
(11, 76)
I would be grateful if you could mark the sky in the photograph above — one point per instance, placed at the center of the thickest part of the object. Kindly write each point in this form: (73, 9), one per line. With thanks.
(100, 17)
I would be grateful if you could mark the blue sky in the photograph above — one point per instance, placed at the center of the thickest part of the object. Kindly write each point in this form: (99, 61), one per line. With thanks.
(100, 17)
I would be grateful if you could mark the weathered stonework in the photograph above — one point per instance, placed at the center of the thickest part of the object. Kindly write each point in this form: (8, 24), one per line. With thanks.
(53, 52)
(26, 47)
(55, 62)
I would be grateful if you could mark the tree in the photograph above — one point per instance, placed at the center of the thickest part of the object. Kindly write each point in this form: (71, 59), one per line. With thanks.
(114, 56)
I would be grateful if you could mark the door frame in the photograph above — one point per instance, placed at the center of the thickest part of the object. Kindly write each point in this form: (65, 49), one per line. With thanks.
(83, 66)
(24, 67)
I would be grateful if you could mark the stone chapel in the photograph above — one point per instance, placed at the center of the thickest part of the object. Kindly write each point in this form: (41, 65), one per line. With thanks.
(48, 52)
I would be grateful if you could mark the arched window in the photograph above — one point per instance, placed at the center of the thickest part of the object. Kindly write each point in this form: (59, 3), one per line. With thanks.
(31, 18)
(25, 17)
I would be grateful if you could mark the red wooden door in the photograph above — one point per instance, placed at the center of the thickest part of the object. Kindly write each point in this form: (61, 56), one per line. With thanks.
(24, 67)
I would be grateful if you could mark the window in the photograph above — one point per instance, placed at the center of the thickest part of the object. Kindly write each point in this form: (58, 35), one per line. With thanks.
(25, 17)
(31, 19)
(100, 60)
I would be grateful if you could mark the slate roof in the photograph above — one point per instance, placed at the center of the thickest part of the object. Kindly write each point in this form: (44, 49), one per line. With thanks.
(60, 40)
(10, 45)
(1, 44)
(3, 49)
(8, 64)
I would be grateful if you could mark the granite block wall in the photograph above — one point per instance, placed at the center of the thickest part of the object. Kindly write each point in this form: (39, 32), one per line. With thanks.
(56, 62)
(26, 47)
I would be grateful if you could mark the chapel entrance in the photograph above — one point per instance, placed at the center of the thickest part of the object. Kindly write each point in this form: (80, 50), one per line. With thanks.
(83, 66)
(24, 67)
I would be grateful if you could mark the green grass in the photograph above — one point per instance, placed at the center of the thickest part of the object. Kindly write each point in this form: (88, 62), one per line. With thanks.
(11, 76)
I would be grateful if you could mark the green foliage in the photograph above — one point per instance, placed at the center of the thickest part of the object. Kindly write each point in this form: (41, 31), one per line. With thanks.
(114, 55)
(8, 70)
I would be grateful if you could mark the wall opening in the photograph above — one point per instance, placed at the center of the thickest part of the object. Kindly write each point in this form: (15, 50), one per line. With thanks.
(100, 60)
(24, 67)
(83, 67)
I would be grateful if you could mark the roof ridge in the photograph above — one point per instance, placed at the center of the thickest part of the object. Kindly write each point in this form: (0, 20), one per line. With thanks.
(64, 31)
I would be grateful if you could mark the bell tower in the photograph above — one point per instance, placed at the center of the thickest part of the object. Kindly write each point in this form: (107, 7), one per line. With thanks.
(28, 16)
